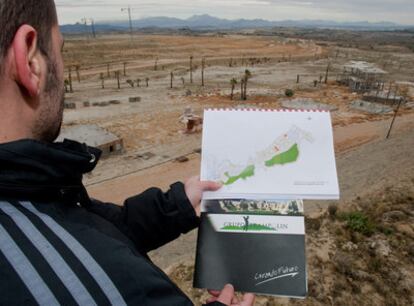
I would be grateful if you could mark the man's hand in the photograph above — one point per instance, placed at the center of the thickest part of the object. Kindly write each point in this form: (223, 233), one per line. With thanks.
(228, 297)
(194, 189)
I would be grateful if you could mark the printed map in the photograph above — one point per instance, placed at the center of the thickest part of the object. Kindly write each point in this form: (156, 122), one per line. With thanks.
(284, 150)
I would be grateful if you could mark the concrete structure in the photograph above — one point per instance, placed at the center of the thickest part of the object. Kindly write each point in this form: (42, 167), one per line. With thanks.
(384, 97)
(372, 108)
(94, 136)
(307, 104)
(362, 76)
(192, 122)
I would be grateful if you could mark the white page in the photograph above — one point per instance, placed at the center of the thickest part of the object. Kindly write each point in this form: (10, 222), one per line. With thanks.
(269, 154)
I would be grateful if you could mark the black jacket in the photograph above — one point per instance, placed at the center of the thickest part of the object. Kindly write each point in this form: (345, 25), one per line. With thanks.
(57, 246)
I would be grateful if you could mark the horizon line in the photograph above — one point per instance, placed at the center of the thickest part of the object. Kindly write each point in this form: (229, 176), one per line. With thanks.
(250, 19)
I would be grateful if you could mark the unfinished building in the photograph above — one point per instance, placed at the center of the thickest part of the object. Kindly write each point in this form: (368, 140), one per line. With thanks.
(372, 108)
(362, 77)
(388, 97)
(94, 136)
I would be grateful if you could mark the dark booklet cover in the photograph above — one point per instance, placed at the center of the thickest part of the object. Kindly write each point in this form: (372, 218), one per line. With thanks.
(257, 246)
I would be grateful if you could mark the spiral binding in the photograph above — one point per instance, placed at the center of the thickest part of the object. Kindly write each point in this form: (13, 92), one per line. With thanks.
(266, 110)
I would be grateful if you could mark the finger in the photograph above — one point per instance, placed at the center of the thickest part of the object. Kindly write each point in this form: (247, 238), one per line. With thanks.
(226, 295)
(248, 299)
(235, 300)
(211, 300)
(214, 292)
(210, 186)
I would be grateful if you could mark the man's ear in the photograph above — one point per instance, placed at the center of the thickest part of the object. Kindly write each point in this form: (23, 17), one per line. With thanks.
(27, 60)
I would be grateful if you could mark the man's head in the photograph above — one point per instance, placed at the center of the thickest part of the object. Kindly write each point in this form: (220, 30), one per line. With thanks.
(31, 70)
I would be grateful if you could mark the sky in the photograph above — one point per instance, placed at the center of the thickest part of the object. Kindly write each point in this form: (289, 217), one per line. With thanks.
(398, 11)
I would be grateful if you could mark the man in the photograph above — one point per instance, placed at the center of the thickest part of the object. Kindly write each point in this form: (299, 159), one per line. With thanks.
(57, 246)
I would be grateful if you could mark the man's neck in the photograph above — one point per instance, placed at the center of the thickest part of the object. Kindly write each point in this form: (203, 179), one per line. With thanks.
(14, 120)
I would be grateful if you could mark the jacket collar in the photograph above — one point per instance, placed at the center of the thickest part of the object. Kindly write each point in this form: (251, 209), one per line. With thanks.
(29, 168)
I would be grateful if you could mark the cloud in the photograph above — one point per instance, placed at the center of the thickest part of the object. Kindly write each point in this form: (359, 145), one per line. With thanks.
(401, 11)
(367, 6)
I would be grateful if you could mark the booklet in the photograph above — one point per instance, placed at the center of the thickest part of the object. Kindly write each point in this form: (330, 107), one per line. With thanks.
(266, 160)
(260, 154)
(257, 246)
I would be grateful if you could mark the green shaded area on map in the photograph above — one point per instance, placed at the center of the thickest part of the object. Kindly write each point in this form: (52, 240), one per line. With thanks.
(289, 156)
(248, 172)
(251, 227)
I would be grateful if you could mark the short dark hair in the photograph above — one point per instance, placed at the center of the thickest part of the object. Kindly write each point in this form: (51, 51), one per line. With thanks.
(40, 14)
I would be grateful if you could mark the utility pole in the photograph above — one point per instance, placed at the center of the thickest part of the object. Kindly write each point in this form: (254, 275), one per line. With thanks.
(85, 22)
(393, 119)
(130, 18)
(92, 22)
(93, 28)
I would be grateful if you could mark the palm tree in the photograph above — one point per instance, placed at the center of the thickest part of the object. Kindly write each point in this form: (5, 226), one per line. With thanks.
(242, 88)
(70, 80)
(117, 78)
(125, 64)
(66, 85)
(191, 69)
(203, 66)
(156, 64)
(102, 77)
(233, 83)
(327, 72)
(77, 68)
(247, 76)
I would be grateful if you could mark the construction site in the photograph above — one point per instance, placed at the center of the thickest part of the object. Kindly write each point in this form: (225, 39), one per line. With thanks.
(141, 98)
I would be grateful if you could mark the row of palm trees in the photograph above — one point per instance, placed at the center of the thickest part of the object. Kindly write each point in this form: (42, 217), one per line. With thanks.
(243, 83)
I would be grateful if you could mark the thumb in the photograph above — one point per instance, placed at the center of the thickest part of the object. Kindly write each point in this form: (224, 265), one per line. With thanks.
(227, 295)
(210, 186)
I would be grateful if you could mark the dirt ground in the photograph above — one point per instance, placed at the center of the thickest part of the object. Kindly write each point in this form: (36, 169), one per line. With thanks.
(152, 128)
(144, 50)
(154, 136)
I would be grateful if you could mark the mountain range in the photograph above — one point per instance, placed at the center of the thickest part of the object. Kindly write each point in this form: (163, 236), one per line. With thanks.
(207, 22)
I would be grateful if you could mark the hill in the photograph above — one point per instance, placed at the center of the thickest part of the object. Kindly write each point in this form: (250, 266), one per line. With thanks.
(207, 22)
